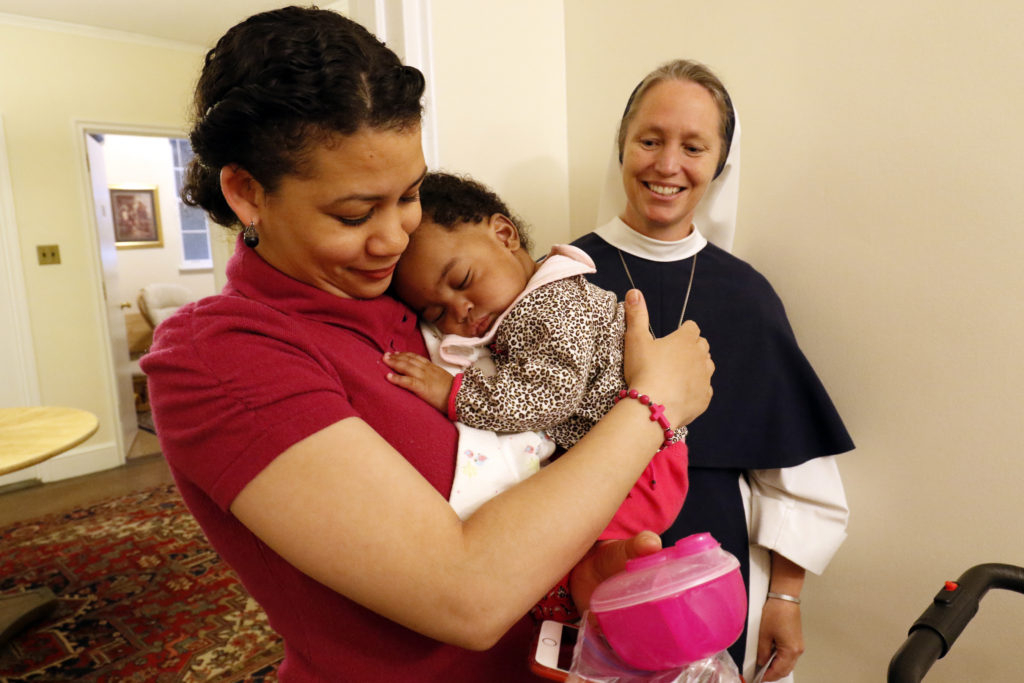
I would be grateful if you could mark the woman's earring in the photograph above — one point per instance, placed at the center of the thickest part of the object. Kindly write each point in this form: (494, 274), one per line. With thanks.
(249, 235)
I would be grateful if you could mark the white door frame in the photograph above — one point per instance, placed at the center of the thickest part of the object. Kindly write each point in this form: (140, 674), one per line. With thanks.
(405, 26)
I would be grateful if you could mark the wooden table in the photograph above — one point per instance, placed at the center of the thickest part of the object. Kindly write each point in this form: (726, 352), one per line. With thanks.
(28, 436)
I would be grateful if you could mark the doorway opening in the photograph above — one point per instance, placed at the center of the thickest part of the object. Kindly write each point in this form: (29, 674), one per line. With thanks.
(156, 255)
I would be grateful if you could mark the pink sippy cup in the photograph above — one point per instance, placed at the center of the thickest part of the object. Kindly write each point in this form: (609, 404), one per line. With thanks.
(675, 607)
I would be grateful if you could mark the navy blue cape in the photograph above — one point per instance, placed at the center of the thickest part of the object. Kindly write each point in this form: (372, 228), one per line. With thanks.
(769, 409)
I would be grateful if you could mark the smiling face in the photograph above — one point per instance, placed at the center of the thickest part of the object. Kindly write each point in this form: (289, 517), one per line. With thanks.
(461, 279)
(342, 224)
(671, 150)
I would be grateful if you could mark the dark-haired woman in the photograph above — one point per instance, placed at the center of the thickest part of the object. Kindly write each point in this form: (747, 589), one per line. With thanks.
(320, 482)
(760, 478)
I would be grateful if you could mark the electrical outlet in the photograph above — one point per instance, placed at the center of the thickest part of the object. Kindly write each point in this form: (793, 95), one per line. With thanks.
(49, 254)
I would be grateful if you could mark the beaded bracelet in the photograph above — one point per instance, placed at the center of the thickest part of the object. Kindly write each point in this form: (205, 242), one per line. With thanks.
(657, 413)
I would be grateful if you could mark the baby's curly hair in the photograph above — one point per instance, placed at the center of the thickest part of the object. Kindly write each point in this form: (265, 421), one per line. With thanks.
(448, 200)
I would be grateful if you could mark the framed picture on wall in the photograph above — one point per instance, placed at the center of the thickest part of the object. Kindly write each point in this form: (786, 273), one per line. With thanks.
(136, 217)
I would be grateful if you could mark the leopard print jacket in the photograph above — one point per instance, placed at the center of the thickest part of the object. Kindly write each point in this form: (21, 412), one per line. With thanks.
(558, 356)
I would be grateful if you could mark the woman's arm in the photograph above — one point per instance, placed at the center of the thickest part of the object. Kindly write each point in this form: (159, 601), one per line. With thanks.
(799, 514)
(347, 509)
(781, 628)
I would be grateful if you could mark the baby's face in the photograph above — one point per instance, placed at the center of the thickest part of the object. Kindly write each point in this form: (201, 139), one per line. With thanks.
(461, 280)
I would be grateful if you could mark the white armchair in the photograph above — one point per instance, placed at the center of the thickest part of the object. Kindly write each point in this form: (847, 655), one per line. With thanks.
(159, 301)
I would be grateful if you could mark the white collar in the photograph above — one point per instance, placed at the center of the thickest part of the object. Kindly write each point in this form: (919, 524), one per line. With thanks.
(616, 233)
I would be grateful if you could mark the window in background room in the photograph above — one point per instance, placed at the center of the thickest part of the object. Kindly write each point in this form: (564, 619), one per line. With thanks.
(195, 233)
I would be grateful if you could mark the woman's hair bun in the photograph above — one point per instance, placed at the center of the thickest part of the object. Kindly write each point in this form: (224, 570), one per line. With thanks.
(400, 87)
(285, 80)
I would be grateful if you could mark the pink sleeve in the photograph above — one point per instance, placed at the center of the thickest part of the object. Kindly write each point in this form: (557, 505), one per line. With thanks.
(452, 407)
(657, 497)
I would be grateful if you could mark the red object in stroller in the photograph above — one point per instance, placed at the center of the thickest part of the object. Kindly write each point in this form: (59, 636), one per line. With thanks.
(933, 634)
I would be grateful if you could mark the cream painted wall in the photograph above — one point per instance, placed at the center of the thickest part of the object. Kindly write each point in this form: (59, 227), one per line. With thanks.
(499, 84)
(18, 381)
(882, 150)
(146, 161)
(51, 80)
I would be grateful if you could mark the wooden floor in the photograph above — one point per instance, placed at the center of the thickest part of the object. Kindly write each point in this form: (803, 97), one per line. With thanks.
(144, 468)
(145, 444)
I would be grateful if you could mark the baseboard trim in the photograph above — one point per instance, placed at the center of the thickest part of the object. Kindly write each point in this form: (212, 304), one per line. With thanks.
(21, 485)
(79, 462)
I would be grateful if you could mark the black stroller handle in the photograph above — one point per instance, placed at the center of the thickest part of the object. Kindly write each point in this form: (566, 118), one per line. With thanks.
(935, 631)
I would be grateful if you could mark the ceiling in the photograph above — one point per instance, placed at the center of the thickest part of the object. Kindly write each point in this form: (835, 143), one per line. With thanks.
(199, 22)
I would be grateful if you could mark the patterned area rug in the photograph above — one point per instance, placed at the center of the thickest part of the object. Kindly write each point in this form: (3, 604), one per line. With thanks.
(142, 597)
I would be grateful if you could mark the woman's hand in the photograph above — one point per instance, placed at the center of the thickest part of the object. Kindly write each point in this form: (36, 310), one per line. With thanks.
(674, 370)
(781, 632)
(430, 382)
(781, 626)
(605, 559)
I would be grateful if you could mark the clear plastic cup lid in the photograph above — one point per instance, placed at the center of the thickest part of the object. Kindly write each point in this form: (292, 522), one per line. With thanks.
(693, 561)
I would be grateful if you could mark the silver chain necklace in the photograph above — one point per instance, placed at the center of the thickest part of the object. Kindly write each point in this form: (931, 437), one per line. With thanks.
(689, 286)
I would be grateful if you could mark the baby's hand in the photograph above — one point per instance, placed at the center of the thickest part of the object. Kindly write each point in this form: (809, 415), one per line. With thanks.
(417, 374)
